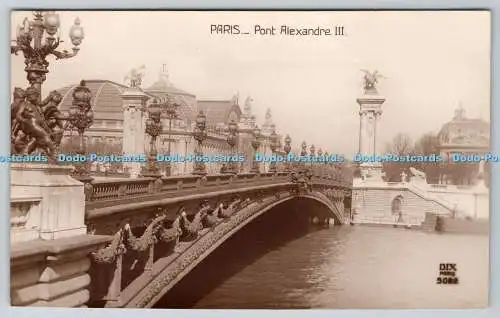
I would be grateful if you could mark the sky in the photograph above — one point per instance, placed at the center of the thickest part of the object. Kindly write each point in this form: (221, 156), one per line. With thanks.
(431, 61)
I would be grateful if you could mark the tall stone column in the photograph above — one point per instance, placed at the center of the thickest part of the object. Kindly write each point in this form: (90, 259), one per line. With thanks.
(134, 106)
(370, 111)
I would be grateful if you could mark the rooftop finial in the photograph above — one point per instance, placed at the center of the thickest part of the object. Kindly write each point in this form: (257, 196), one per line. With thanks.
(247, 109)
(459, 112)
(164, 76)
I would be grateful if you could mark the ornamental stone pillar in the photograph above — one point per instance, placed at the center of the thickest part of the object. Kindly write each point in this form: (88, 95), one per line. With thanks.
(370, 111)
(134, 105)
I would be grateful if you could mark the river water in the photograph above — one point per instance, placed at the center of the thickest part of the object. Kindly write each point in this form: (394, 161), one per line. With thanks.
(274, 265)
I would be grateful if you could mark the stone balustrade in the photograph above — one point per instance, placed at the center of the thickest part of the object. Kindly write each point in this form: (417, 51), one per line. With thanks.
(119, 188)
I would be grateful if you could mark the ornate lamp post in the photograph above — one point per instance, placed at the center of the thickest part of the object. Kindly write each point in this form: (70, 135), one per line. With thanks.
(321, 169)
(81, 117)
(232, 140)
(312, 153)
(153, 129)
(312, 150)
(29, 41)
(327, 164)
(273, 145)
(171, 114)
(303, 151)
(255, 146)
(287, 148)
(200, 135)
(37, 125)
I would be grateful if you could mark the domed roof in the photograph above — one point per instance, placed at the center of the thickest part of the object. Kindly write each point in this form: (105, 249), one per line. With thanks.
(463, 131)
(106, 100)
(163, 88)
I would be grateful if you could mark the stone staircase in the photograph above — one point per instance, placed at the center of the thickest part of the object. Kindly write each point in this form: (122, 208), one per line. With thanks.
(429, 223)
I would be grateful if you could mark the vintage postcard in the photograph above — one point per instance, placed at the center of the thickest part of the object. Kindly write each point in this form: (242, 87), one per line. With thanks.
(250, 159)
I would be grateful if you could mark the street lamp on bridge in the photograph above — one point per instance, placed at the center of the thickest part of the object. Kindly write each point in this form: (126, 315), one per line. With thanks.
(303, 151)
(153, 129)
(232, 140)
(38, 125)
(199, 135)
(274, 144)
(255, 145)
(171, 112)
(29, 41)
(287, 148)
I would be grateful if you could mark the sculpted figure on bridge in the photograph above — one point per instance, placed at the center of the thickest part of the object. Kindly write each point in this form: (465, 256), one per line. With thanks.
(108, 254)
(190, 229)
(210, 218)
(135, 76)
(370, 81)
(170, 234)
(30, 130)
(303, 180)
(147, 239)
(51, 112)
(226, 211)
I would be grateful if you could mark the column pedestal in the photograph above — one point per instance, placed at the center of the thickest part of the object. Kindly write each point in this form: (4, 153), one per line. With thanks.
(370, 110)
(46, 203)
(134, 105)
(50, 247)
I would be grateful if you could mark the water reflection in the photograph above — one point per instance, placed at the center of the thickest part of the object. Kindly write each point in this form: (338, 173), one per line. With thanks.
(276, 264)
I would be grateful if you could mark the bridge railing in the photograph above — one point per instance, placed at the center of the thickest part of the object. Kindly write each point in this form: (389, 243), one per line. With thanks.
(117, 189)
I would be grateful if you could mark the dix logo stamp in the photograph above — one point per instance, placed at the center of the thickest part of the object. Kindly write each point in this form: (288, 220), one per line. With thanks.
(447, 274)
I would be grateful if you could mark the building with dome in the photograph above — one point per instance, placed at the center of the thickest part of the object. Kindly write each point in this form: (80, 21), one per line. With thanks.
(111, 131)
(467, 136)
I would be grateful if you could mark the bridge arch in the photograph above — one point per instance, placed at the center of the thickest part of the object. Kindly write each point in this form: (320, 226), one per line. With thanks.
(195, 254)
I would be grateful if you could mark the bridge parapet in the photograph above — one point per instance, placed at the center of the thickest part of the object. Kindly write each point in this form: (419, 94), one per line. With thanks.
(142, 218)
(147, 223)
(103, 190)
(163, 247)
(113, 191)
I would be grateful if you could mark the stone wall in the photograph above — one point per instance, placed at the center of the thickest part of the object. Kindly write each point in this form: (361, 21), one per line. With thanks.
(374, 205)
(469, 226)
(470, 202)
(52, 273)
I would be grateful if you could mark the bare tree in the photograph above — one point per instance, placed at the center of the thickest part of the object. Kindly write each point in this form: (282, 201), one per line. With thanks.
(427, 145)
(401, 145)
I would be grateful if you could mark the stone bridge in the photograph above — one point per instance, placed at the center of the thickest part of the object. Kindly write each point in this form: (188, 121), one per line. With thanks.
(146, 234)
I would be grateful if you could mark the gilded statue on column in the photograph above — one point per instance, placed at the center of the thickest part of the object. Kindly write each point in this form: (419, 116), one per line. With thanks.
(135, 76)
(370, 81)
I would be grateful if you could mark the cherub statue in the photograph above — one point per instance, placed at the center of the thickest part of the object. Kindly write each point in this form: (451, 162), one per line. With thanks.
(51, 111)
(134, 77)
(17, 135)
(32, 123)
(18, 97)
(371, 80)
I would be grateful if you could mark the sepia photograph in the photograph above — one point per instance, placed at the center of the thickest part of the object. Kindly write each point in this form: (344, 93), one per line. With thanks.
(250, 159)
